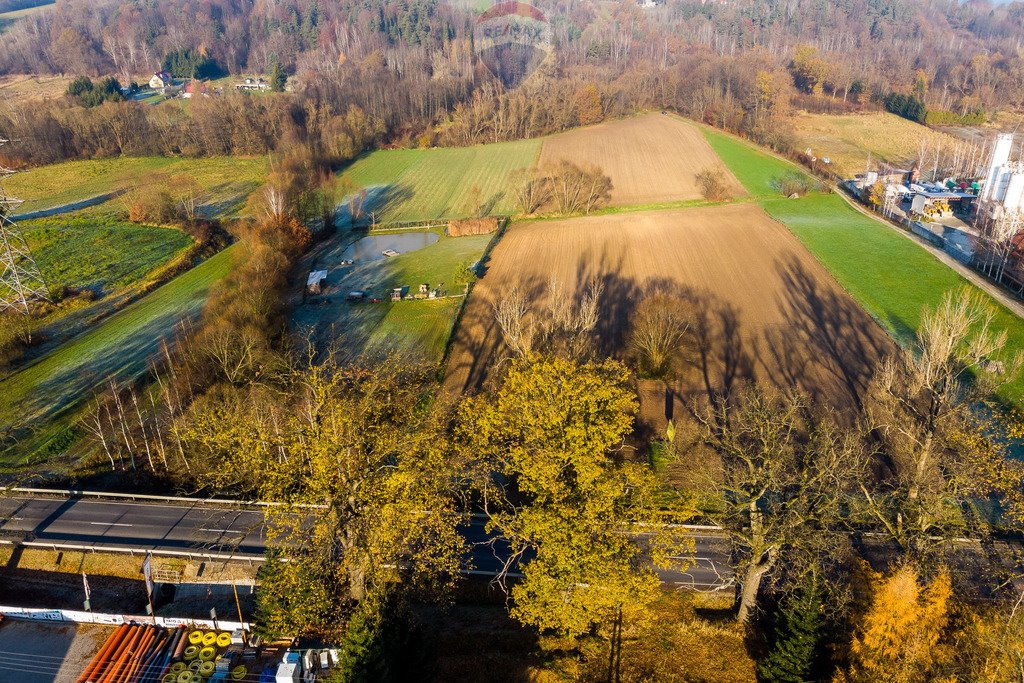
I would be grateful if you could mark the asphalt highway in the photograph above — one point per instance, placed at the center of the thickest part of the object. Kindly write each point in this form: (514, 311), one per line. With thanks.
(222, 531)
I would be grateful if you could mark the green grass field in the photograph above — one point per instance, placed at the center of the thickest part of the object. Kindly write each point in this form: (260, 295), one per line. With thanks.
(892, 277)
(757, 171)
(415, 329)
(100, 253)
(226, 180)
(432, 184)
(43, 398)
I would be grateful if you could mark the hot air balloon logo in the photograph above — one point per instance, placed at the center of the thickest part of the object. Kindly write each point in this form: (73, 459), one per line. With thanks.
(512, 39)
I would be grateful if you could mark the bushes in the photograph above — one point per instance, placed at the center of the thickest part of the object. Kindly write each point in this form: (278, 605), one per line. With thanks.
(712, 186)
(796, 183)
(944, 117)
(471, 226)
(16, 335)
(90, 94)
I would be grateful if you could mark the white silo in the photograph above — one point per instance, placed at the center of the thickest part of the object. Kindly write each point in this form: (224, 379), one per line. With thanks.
(1013, 199)
(1000, 157)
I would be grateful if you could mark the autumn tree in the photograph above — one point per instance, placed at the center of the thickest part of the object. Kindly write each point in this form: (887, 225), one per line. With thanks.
(809, 69)
(876, 195)
(588, 105)
(558, 491)
(579, 189)
(903, 637)
(658, 330)
(532, 190)
(781, 471)
(712, 185)
(936, 450)
(989, 643)
(364, 478)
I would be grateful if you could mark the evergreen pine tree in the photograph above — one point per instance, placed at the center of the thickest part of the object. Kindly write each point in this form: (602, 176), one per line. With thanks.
(278, 78)
(796, 648)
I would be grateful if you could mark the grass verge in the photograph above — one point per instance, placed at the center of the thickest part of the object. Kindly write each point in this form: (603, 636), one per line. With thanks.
(227, 181)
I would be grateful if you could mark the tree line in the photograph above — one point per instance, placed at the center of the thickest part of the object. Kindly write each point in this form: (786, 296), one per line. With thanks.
(410, 67)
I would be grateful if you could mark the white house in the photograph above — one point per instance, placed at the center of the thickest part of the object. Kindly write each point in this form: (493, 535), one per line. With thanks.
(160, 80)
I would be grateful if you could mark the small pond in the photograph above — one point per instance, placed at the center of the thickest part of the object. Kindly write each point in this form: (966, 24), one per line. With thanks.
(372, 247)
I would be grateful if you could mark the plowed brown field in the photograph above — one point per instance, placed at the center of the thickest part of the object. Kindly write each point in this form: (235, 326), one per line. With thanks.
(767, 311)
(650, 158)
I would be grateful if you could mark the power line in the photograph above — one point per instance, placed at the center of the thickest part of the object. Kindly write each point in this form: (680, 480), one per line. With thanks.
(21, 282)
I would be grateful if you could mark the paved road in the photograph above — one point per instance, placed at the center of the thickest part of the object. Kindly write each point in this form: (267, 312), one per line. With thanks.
(196, 528)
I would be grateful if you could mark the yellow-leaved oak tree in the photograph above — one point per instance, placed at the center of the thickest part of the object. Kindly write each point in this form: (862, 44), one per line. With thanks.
(579, 517)
(359, 463)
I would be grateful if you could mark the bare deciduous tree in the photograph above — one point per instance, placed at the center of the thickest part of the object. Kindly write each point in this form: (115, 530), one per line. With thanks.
(781, 474)
(532, 190)
(659, 328)
(564, 327)
(937, 447)
(999, 232)
(578, 189)
(517, 330)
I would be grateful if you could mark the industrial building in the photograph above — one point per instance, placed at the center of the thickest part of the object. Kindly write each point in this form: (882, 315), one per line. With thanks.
(1003, 189)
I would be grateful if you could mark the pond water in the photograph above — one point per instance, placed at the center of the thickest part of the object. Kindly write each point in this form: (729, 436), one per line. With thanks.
(372, 247)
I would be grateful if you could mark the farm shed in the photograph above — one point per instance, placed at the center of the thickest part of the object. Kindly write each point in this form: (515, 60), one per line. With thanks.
(315, 281)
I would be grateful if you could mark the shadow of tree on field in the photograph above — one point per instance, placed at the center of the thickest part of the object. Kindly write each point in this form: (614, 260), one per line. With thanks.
(820, 342)
(842, 342)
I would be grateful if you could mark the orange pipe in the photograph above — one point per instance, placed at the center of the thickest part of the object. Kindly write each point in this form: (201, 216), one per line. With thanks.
(98, 657)
(115, 670)
(129, 655)
(111, 655)
(143, 653)
(111, 641)
(139, 654)
(102, 673)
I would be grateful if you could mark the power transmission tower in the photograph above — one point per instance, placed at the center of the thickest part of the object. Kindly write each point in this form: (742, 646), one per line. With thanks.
(20, 279)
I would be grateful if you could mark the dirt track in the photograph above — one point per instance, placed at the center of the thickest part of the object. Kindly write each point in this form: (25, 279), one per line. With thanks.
(768, 311)
(650, 158)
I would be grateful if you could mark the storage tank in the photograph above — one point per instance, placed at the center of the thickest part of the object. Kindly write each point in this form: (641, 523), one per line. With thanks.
(1014, 199)
(1000, 156)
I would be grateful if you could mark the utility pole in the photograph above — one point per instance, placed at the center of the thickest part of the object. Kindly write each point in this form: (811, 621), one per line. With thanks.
(20, 279)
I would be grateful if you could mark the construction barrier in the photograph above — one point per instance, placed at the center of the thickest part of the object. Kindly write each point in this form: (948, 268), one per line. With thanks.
(81, 617)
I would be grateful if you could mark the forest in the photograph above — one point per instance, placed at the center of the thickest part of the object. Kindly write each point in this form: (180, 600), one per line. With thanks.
(410, 67)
